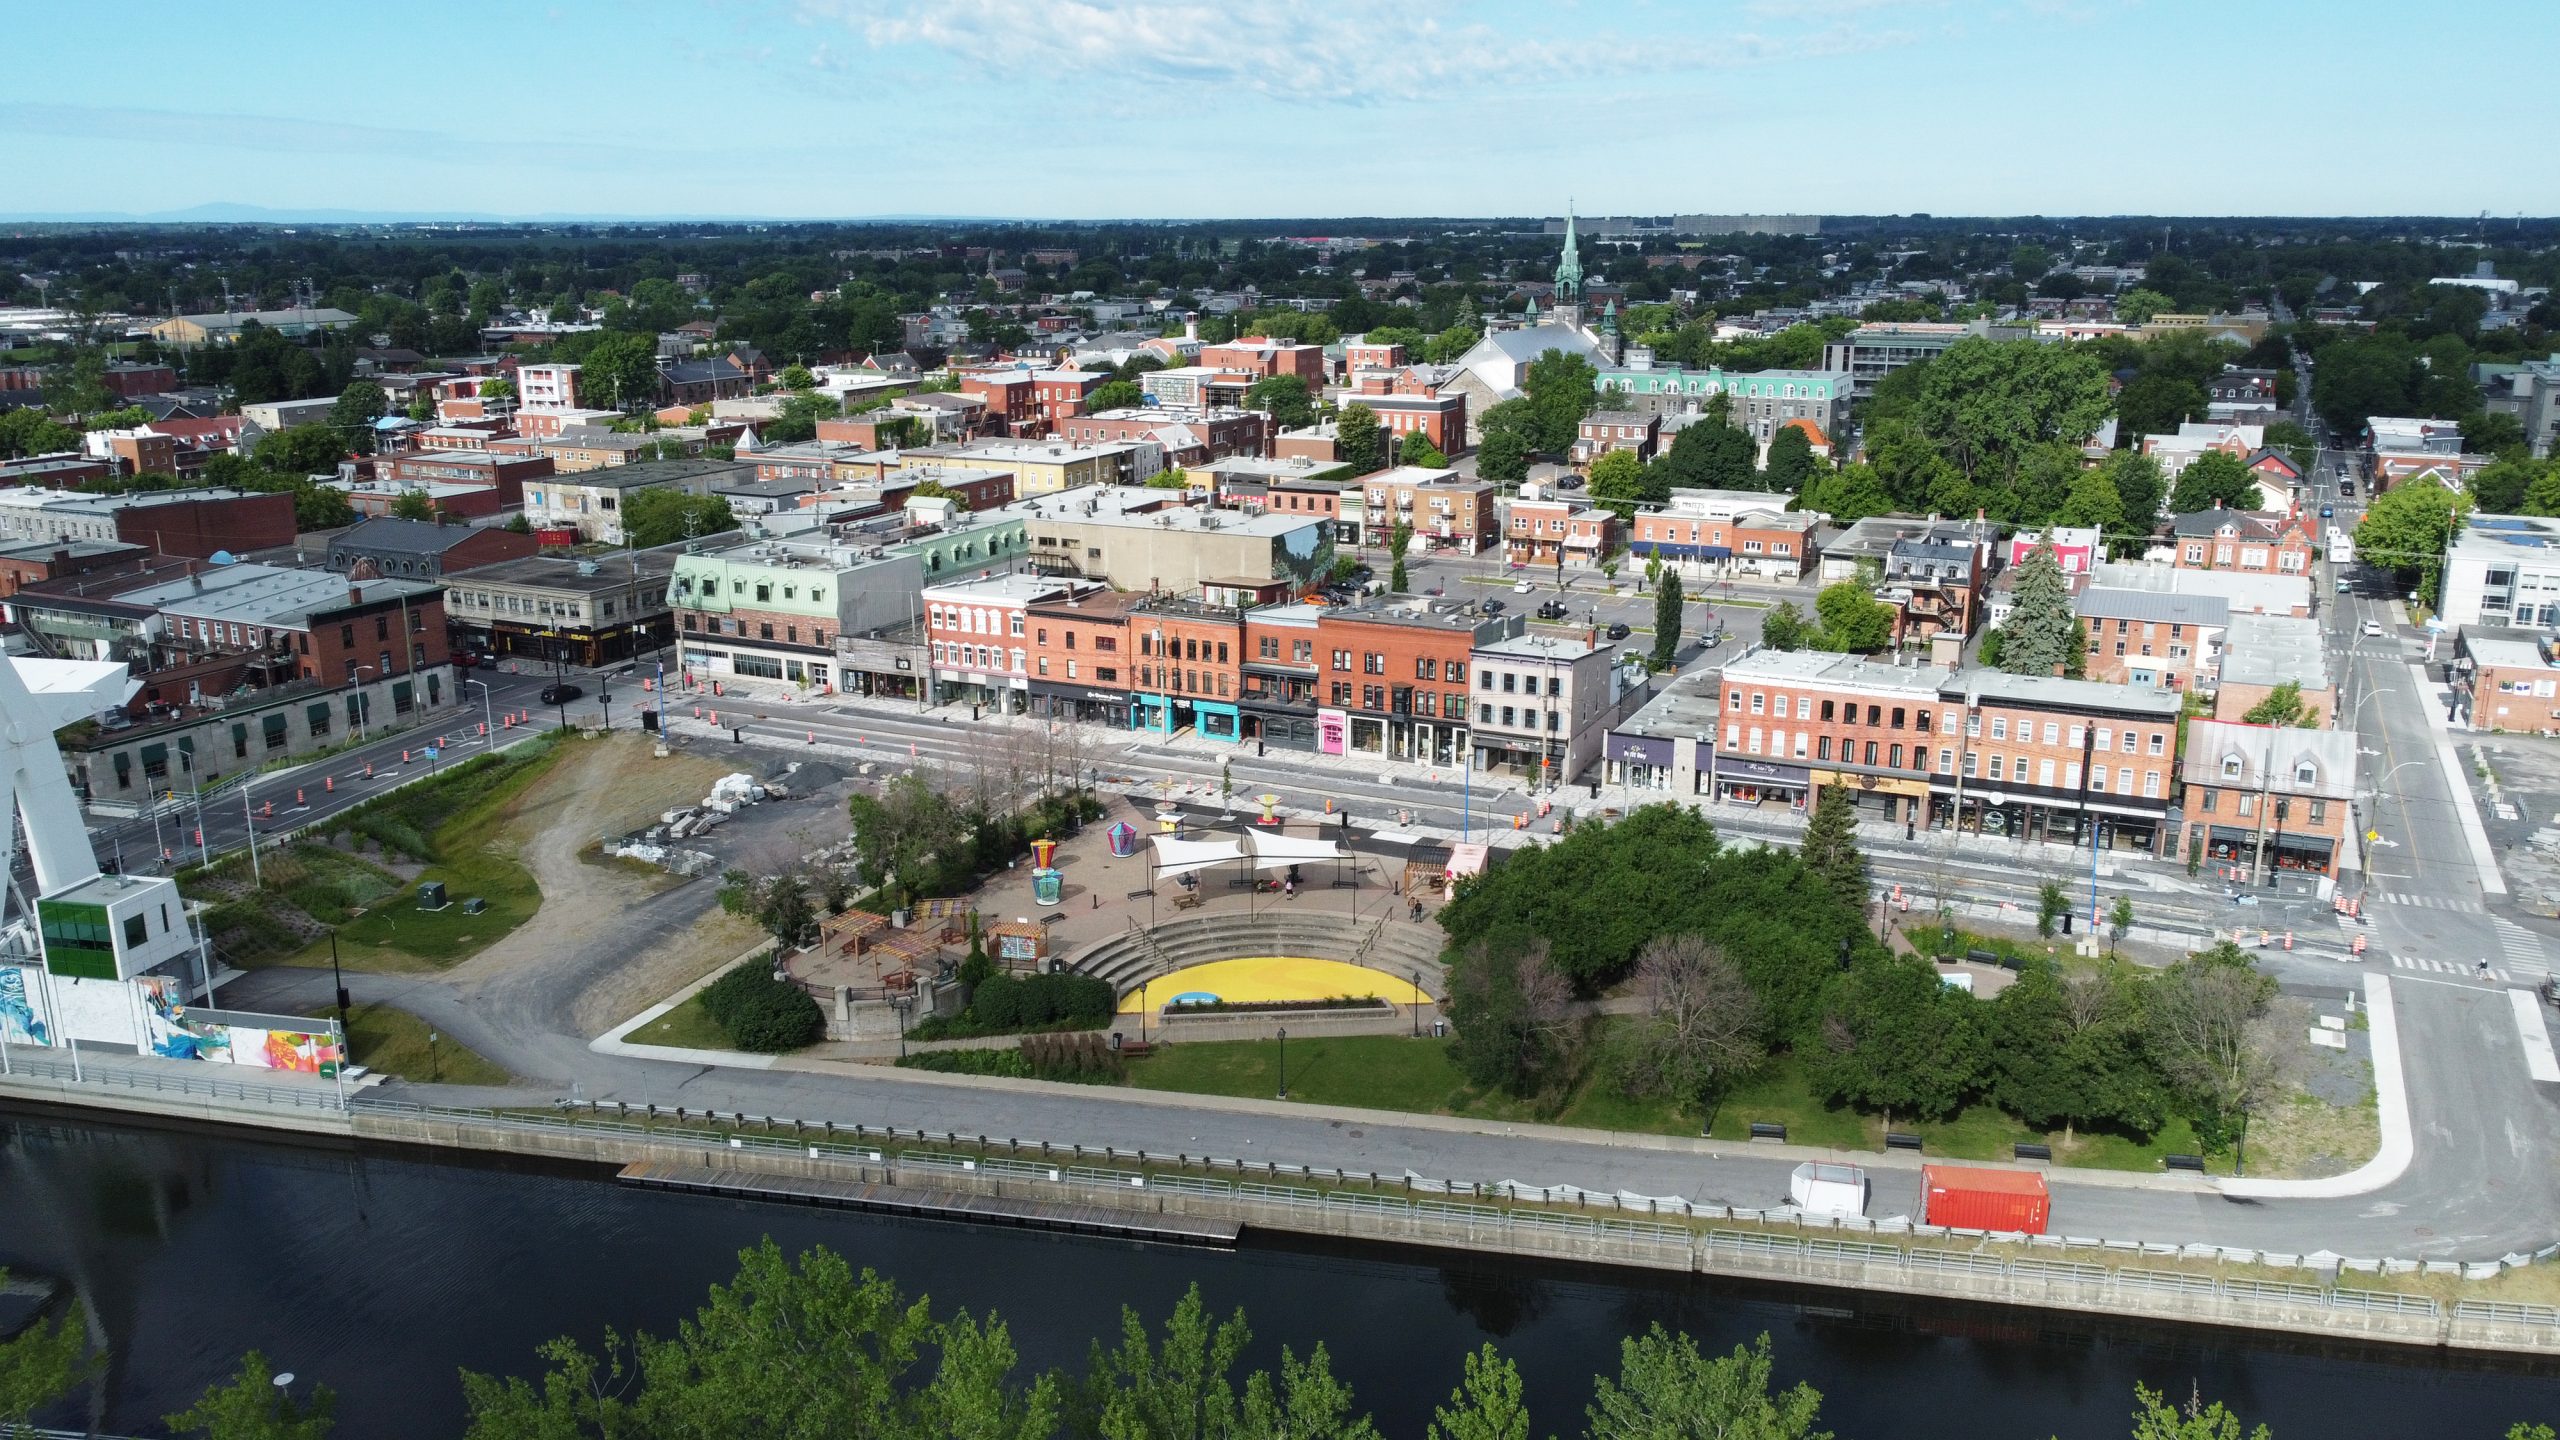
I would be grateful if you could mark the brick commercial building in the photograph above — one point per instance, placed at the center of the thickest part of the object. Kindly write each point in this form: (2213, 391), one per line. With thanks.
(1012, 401)
(197, 523)
(1544, 704)
(1709, 533)
(1983, 751)
(2263, 652)
(422, 549)
(1395, 678)
(773, 611)
(2264, 799)
(2504, 680)
(1045, 467)
(1135, 540)
(33, 562)
(582, 612)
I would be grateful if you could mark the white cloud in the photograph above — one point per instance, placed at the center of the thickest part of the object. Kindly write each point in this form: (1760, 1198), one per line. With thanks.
(1343, 51)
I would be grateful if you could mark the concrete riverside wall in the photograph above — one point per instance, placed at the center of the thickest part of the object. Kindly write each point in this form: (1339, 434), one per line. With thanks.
(1130, 1182)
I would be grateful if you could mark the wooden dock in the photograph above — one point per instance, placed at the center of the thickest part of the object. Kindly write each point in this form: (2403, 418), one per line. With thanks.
(932, 1204)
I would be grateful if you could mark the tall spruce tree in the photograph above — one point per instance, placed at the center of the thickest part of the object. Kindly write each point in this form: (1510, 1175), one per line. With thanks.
(1831, 846)
(1666, 621)
(2042, 632)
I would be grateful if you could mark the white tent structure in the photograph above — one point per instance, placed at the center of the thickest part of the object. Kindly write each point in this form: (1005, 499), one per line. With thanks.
(1253, 849)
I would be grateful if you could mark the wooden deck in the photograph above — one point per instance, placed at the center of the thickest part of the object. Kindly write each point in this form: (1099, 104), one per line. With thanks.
(932, 1204)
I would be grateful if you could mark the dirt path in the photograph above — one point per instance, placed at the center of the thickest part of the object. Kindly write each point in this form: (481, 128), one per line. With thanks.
(599, 789)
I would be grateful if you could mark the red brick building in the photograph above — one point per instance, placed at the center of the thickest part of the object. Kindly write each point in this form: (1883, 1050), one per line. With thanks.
(1441, 419)
(1188, 437)
(199, 522)
(1011, 397)
(1262, 357)
(2251, 542)
(1059, 395)
(504, 474)
(1362, 354)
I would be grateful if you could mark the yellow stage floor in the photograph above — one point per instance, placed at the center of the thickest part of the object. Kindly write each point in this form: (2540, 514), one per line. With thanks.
(1260, 979)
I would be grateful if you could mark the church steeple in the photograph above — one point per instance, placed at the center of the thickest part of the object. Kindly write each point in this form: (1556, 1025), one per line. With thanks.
(1569, 267)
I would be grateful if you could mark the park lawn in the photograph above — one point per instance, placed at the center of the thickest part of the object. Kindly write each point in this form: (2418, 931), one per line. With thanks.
(1378, 1072)
(473, 861)
(1779, 1093)
(688, 1026)
(394, 1042)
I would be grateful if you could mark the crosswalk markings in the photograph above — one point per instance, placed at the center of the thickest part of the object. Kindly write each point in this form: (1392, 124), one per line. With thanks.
(2448, 967)
(2427, 902)
(2524, 950)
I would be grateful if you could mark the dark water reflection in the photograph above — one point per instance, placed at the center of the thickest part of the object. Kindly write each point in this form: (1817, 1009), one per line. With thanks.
(383, 1275)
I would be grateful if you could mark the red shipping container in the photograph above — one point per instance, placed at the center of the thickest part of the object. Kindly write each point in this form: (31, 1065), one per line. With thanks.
(1965, 1197)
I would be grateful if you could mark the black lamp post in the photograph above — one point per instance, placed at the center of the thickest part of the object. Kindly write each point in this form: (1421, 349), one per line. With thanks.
(338, 979)
(1416, 1006)
(1284, 1062)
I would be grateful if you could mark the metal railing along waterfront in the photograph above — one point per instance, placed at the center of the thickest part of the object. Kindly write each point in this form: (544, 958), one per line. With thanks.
(1522, 1219)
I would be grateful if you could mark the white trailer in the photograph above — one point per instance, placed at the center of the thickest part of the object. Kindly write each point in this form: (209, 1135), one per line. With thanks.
(1820, 1189)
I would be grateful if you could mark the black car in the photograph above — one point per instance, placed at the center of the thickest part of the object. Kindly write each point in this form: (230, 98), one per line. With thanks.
(560, 694)
(1552, 610)
(1618, 630)
(1493, 607)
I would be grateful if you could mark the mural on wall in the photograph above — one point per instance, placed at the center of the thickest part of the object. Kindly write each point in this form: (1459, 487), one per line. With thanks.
(170, 1030)
(1304, 555)
(20, 1021)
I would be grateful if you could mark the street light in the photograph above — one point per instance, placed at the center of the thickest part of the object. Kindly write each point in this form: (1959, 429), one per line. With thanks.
(364, 704)
(488, 712)
(1284, 1062)
(1415, 1009)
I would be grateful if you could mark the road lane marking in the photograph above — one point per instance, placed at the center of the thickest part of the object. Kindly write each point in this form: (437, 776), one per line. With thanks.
(2538, 1059)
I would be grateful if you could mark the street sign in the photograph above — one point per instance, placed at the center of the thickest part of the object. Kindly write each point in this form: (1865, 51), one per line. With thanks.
(433, 752)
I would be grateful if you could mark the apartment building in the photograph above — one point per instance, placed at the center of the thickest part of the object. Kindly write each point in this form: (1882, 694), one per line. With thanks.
(1763, 401)
(1059, 395)
(2265, 799)
(1260, 358)
(1439, 417)
(1605, 431)
(1722, 532)
(1558, 532)
(1543, 706)
(2505, 680)
(1446, 511)
(1137, 539)
(2152, 639)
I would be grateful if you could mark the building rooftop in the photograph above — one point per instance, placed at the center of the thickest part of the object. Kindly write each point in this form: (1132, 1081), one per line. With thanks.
(252, 594)
(1809, 667)
(2509, 648)
(1014, 587)
(2272, 649)
(1542, 647)
(1127, 506)
(2285, 759)
(1980, 686)
(2102, 602)
(594, 577)
(1687, 706)
(693, 474)
(387, 536)
(2503, 536)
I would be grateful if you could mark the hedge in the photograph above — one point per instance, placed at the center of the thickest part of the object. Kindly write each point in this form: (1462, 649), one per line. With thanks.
(762, 1014)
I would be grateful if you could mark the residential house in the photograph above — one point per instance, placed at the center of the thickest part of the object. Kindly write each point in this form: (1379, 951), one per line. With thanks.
(2274, 543)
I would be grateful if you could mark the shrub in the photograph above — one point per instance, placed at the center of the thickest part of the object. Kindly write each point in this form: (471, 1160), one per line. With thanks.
(761, 1014)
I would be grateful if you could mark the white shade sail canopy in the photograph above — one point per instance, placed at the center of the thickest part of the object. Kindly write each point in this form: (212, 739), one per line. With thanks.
(1260, 851)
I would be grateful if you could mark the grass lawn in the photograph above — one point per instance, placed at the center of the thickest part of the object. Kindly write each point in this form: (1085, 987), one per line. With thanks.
(1382, 1072)
(467, 813)
(394, 1042)
(688, 1026)
(1392, 1072)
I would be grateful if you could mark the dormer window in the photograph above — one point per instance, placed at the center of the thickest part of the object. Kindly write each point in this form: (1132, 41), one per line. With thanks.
(2231, 767)
(2305, 773)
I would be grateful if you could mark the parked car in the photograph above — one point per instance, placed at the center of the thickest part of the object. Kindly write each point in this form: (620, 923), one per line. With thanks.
(560, 694)
(1522, 587)
(1618, 630)
(1552, 610)
(1493, 607)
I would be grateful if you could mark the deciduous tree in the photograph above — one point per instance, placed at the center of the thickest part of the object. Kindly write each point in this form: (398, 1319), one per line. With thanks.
(1701, 1024)
(1356, 440)
(1853, 621)
(1666, 1390)
(2212, 479)
(1791, 461)
(1900, 1041)
(1285, 398)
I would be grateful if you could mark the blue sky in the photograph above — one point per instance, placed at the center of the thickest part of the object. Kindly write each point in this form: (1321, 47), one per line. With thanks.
(1100, 108)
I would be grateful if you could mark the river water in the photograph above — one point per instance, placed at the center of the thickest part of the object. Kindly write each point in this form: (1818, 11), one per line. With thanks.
(382, 1274)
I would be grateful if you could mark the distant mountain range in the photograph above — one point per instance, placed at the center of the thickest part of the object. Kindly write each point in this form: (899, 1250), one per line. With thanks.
(227, 213)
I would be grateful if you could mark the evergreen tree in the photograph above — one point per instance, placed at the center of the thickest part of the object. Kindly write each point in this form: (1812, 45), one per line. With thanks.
(1357, 442)
(1399, 541)
(1791, 461)
(2038, 640)
(1666, 621)
(1831, 846)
